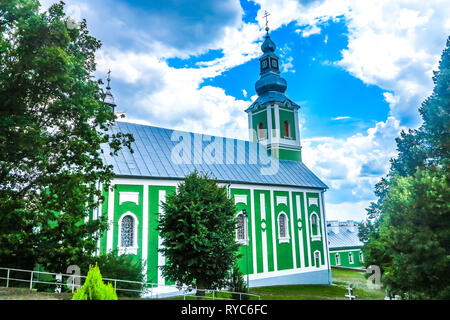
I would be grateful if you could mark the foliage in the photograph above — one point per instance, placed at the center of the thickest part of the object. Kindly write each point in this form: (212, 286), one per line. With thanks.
(237, 284)
(123, 267)
(52, 124)
(94, 288)
(198, 228)
(408, 226)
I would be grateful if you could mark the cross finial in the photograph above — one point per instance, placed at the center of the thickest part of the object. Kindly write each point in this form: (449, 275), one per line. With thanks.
(109, 79)
(266, 14)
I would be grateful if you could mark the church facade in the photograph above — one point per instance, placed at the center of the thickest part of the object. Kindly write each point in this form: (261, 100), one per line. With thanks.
(280, 202)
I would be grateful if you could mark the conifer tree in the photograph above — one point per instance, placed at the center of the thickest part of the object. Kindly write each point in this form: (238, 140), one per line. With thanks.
(198, 227)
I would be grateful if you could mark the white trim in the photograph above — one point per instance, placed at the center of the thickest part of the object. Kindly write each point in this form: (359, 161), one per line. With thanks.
(281, 200)
(315, 237)
(337, 258)
(129, 197)
(240, 198)
(313, 201)
(274, 240)
(324, 229)
(285, 272)
(287, 238)
(269, 124)
(134, 247)
(262, 205)
(244, 241)
(300, 231)
(145, 223)
(346, 250)
(250, 126)
(277, 121)
(352, 260)
(161, 258)
(252, 209)
(320, 259)
(291, 211)
(297, 127)
(306, 226)
(174, 183)
(110, 234)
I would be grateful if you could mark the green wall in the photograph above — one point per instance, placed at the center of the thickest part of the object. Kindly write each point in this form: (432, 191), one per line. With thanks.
(344, 257)
(279, 255)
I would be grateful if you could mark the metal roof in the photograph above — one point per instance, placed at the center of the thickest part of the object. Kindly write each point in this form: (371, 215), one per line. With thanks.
(343, 239)
(157, 154)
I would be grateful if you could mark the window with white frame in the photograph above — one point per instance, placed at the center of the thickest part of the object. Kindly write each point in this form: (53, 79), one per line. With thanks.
(338, 259)
(315, 227)
(128, 234)
(317, 258)
(350, 257)
(241, 230)
(361, 257)
(283, 228)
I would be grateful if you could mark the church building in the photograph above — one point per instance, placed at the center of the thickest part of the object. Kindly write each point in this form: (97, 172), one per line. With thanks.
(280, 202)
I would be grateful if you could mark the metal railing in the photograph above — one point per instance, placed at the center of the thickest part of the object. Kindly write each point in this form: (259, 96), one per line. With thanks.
(148, 289)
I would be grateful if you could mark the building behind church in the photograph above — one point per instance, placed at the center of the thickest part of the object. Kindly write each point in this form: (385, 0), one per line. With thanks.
(280, 202)
(344, 244)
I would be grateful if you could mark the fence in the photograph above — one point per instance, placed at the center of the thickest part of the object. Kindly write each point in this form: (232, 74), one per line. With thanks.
(147, 289)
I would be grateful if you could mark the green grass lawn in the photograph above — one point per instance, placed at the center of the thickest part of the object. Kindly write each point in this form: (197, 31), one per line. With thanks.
(335, 291)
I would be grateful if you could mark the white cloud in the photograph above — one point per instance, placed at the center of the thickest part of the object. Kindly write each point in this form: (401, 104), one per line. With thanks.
(340, 118)
(347, 210)
(351, 166)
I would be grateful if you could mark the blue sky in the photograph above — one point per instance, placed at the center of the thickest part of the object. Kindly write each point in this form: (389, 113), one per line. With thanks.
(358, 69)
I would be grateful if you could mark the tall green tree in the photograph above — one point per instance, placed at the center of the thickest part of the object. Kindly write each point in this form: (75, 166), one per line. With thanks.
(408, 226)
(52, 124)
(198, 227)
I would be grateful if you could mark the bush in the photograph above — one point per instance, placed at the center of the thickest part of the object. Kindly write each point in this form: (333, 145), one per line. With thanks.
(123, 267)
(237, 284)
(94, 288)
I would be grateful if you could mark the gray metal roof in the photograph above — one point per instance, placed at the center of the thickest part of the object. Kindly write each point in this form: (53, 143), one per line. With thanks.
(343, 239)
(157, 155)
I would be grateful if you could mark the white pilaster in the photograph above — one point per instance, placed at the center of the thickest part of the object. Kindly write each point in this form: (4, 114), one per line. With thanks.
(262, 204)
(300, 233)
(274, 231)
(291, 212)
(252, 209)
(306, 225)
(110, 234)
(145, 229)
(161, 258)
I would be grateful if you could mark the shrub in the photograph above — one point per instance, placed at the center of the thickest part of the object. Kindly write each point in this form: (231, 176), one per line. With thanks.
(237, 284)
(123, 267)
(94, 288)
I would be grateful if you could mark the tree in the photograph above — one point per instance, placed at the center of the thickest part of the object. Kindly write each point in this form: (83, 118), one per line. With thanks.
(53, 123)
(94, 288)
(414, 233)
(198, 227)
(407, 227)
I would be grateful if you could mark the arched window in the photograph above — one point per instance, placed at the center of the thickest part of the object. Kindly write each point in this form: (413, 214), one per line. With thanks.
(338, 259)
(283, 230)
(261, 131)
(315, 227)
(287, 130)
(128, 234)
(241, 230)
(317, 258)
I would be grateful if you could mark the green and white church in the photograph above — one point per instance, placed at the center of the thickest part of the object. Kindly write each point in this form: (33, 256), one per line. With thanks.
(280, 202)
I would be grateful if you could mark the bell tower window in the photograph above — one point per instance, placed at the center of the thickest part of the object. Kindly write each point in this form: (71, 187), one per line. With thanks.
(287, 130)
